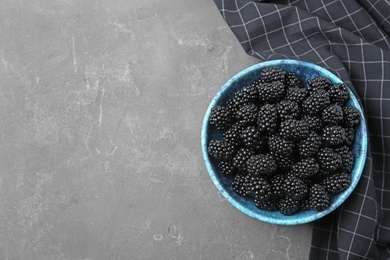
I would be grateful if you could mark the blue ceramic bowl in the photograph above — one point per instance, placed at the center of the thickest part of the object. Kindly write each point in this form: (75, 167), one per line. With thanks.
(306, 71)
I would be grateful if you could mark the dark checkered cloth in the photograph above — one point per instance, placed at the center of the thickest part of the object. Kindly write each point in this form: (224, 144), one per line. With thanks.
(351, 38)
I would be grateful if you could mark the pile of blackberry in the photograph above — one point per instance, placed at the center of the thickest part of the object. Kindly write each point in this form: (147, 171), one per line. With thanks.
(286, 144)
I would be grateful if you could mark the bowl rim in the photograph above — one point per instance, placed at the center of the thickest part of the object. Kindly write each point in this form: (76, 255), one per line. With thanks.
(287, 220)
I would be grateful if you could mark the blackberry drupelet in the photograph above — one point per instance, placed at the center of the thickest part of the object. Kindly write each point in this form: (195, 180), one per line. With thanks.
(319, 199)
(276, 182)
(268, 205)
(316, 102)
(281, 146)
(347, 158)
(240, 159)
(294, 187)
(247, 113)
(252, 139)
(336, 183)
(293, 129)
(314, 122)
(332, 115)
(318, 82)
(287, 206)
(261, 164)
(260, 188)
(296, 94)
(271, 92)
(293, 81)
(221, 150)
(333, 135)
(329, 160)
(349, 136)
(309, 147)
(338, 93)
(287, 110)
(305, 168)
(267, 119)
(272, 74)
(227, 168)
(351, 117)
(240, 186)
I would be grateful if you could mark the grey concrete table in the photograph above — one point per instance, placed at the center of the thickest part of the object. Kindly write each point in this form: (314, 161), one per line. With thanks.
(101, 104)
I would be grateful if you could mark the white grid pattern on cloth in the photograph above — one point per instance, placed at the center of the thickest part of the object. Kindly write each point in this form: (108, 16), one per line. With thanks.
(346, 37)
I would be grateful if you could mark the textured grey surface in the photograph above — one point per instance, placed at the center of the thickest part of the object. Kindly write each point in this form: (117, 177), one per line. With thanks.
(101, 104)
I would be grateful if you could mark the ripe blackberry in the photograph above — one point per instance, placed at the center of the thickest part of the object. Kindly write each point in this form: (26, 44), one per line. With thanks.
(293, 129)
(247, 113)
(338, 93)
(333, 135)
(232, 135)
(351, 117)
(294, 187)
(251, 138)
(267, 119)
(276, 182)
(329, 160)
(309, 147)
(221, 150)
(304, 203)
(296, 94)
(260, 188)
(268, 205)
(221, 117)
(227, 168)
(281, 146)
(349, 136)
(287, 109)
(240, 185)
(287, 206)
(241, 158)
(347, 158)
(284, 162)
(316, 102)
(318, 83)
(314, 122)
(271, 92)
(305, 168)
(319, 199)
(261, 164)
(292, 80)
(272, 74)
(336, 183)
(332, 115)
(248, 94)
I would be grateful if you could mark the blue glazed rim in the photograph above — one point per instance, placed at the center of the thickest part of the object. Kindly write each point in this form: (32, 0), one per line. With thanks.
(245, 77)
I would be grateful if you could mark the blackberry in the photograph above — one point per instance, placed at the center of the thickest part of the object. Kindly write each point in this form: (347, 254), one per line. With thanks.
(232, 135)
(271, 92)
(260, 188)
(296, 94)
(221, 150)
(293, 129)
(276, 182)
(268, 205)
(351, 117)
(241, 158)
(332, 115)
(284, 162)
(293, 80)
(261, 164)
(240, 185)
(349, 136)
(314, 122)
(319, 199)
(316, 102)
(329, 160)
(309, 147)
(272, 74)
(247, 113)
(318, 82)
(305, 168)
(248, 94)
(347, 158)
(287, 206)
(232, 105)
(336, 183)
(288, 110)
(251, 138)
(294, 187)
(227, 168)
(267, 119)
(221, 117)
(333, 135)
(281, 146)
(304, 203)
(338, 93)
